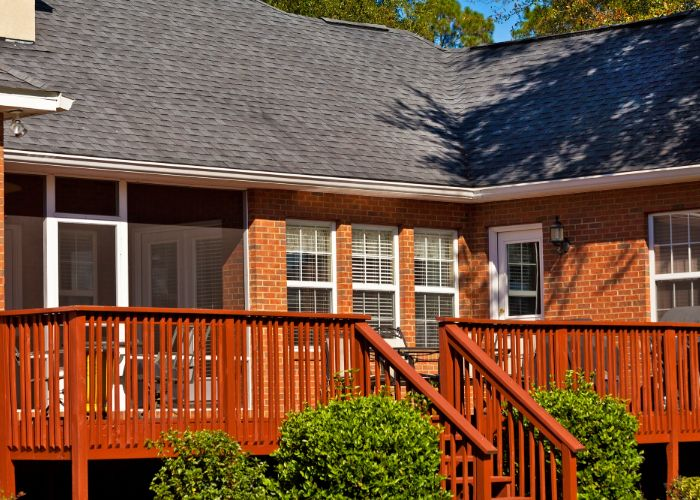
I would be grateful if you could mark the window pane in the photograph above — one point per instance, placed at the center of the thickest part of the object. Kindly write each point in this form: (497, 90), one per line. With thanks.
(694, 227)
(680, 258)
(663, 259)
(372, 257)
(428, 307)
(695, 257)
(86, 264)
(379, 305)
(308, 253)
(313, 300)
(662, 229)
(523, 279)
(676, 293)
(679, 228)
(433, 260)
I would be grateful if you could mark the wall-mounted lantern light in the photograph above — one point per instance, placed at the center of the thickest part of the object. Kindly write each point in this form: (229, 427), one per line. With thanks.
(556, 236)
(16, 126)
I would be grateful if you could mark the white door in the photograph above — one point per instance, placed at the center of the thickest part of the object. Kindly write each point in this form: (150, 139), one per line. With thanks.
(519, 266)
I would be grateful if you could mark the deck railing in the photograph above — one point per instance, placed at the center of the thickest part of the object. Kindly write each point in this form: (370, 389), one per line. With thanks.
(117, 377)
(655, 367)
(536, 455)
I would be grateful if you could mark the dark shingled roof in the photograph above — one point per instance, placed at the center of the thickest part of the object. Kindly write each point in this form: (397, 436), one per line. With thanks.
(237, 84)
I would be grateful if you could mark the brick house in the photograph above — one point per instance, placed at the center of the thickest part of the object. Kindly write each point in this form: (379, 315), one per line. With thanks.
(229, 155)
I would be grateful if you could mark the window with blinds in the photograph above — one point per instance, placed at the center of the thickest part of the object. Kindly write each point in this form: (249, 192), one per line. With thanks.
(675, 240)
(435, 284)
(374, 279)
(523, 279)
(309, 269)
(208, 276)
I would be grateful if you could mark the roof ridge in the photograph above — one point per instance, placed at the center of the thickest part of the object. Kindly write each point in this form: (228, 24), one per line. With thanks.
(572, 34)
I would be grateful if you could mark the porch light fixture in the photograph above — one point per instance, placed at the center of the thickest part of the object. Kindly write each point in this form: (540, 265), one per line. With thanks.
(17, 127)
(556, 236)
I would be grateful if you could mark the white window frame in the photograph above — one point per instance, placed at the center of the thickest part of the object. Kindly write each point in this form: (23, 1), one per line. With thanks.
(322, 285)
(653, 276)
(495, 276)
(121, 235)
(441, 290)
(377, 287)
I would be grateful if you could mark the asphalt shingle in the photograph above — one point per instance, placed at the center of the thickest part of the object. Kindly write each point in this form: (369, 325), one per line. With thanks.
(237, 84)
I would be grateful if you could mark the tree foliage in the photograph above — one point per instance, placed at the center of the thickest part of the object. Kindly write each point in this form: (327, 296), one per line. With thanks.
(609, 466)
(443, 22)
(551, 17)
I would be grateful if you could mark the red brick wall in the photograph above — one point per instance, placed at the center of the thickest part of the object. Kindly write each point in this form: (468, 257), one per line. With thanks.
(604, 276)
(267, 214)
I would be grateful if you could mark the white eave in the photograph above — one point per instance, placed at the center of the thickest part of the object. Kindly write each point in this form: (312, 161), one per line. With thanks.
(26, 102)
(169, 173)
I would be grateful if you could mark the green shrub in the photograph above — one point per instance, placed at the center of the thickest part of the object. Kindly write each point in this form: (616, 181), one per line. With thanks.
(205, 465)
(609, 466)
(360, 447)
(685, 488)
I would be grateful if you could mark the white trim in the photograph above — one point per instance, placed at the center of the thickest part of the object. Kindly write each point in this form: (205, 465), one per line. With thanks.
(246, 178)
(321, 285)
(494, 276)
(672, 276)
(246, 255)
(224, 177)
(375, 287)
(31, 102)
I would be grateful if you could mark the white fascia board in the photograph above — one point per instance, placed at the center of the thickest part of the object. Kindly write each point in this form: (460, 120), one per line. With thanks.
(621, 180)
(32, 102)
(229, 177)
(254, 179)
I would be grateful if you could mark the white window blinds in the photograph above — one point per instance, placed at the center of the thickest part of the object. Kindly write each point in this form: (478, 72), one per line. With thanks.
(435, 284)
(375, 289)
(309, 268)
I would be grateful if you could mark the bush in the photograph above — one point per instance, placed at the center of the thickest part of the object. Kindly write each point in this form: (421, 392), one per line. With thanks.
(685, 488)
(360, 447)
(609, 466)
(205, 465)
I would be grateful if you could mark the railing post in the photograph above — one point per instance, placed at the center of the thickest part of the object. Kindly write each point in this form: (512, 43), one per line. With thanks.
(561, 353)
(7, 468)
(672, 410)
(77, 383)
(483, 466)
(230, 378)
(568, 471)
(446, 366)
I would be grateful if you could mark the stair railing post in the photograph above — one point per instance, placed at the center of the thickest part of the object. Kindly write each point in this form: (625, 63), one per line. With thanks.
(568, 471)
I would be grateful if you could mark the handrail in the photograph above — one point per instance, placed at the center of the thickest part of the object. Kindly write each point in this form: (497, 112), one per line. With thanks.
(520, 399)
(435, 398)
(567, 323)
(182, 312)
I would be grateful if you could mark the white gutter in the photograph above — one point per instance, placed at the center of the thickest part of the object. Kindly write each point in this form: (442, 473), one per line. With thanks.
(230, 177)
(32, 102)
(245, 178)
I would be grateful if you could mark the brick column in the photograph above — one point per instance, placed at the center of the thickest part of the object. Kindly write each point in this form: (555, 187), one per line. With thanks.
(407, 284)
(343, 246)
(267, 264)
(2, 213)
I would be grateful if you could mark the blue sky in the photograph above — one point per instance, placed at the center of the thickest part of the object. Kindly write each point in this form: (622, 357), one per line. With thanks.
(490, 7)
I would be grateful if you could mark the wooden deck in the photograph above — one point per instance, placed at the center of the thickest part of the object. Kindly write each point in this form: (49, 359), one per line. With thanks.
(92, 383)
